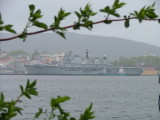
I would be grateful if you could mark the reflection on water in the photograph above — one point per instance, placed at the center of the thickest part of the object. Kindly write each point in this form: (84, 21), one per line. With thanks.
(113, 97)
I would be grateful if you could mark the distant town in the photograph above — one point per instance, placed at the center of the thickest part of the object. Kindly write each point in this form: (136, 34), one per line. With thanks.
(13, 62)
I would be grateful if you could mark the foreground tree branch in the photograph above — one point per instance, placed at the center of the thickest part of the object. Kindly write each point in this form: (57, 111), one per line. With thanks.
(71, 26)
(147, 13)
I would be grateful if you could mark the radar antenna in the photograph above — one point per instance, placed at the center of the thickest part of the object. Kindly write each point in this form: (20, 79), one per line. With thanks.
(70, 53)
(87, 57)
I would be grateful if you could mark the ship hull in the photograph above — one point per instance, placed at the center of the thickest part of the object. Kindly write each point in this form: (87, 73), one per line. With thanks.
(59, 70)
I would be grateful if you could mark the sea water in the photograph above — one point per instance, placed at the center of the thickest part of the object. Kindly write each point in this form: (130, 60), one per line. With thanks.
(113, 97)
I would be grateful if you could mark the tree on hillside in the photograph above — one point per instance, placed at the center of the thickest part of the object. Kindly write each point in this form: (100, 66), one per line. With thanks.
(146, 61)
(35, 54)
(17, 52)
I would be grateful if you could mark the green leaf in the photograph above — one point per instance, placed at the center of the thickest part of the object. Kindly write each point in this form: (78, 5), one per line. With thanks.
(117, 4)
(40, 111)
(93, 14)
(56, 22)
(41, 25)
(87, 115)
(27, 95)
(27, 85)
(151, 14)
(1, 21)
(153, 5)
(126, 23)
(110, 11)
(1, 28)
(108, 21)
(33, 84)
(78, 14)
(9, 28)
(56, 101)
(62, 14)
(53, 102)
(33, 92)
(24, 35)
(84, 18)
(57, 19)
(29, 90)
(88, 11)
(72, 118)
(32, 8)
(62, 99)
(145, 13)
(121, 4)
(37, 15)
(66, 14)
(2, 97)
(18, 109)
(21, 87)
(61, 34)
(106, 9)
(115, 14)
(76, 26)
(87, 24)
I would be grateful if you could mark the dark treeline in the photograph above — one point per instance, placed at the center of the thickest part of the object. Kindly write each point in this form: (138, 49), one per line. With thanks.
(146, 61)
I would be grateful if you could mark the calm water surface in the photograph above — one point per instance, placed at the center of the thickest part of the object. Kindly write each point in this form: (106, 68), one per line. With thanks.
(113, 97)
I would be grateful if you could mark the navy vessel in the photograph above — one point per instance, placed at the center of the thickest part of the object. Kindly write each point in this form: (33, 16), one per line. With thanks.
(75, 65)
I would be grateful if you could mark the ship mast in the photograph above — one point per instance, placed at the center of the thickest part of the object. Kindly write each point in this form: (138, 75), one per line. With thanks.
(70, 53)
(87, 56)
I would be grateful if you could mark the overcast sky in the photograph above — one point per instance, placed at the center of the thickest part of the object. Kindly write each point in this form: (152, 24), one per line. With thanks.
(16, 12)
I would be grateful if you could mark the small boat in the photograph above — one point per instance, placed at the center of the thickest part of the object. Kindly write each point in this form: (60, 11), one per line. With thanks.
(121, 72)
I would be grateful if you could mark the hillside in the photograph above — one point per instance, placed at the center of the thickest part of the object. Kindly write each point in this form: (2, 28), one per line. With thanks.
(112, 47)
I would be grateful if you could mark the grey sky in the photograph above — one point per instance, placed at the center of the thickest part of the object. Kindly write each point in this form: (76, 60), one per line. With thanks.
(16, 12)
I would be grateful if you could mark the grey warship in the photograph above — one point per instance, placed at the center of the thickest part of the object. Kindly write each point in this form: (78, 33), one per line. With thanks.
(75, 65)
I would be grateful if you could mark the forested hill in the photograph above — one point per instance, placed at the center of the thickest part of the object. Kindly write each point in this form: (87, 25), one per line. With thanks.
(112, 47)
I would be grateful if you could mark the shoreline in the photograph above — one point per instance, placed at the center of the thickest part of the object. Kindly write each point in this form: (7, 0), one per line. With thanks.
(70, 75)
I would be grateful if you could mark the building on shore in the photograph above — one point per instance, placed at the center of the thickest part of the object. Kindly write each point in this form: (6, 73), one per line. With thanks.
(150, 71)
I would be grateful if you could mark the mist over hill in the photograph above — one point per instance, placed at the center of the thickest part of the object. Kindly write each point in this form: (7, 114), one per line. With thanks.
(98, 46)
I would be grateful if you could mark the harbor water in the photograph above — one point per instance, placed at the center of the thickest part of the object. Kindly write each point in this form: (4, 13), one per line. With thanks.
(113, 97)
